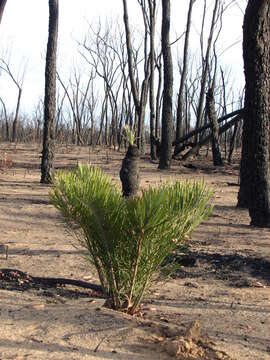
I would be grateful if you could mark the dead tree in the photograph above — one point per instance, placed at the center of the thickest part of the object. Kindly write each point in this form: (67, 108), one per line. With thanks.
(208, 138)
(77, 94)
(2, 8)
(18, 83)
(152, 27)
(255, 171)
(205, 60)
(139, 96)
(201, 129)
(232, 142)
(212, 116)
(166, 136)
(6, 119)
(103, 51)
(50, 96)
(180, 99)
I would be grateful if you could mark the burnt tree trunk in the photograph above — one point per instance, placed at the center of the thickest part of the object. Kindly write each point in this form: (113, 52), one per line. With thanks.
(233, 142)
(255, 161)
(166, 132)
(180, 100)
(50, 93)
(152, 23)
(2, 8)
(15, 121)
(129, 173)
(212, 116)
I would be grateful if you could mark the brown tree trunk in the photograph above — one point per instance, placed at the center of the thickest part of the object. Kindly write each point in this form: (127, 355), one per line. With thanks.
(211, 113)
(255, 162)
(166, 136)
(50, 96)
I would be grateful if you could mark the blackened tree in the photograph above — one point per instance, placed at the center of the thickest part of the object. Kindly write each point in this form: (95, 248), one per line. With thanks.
(2, 8)
(166, 132)
(255, 186)
(50, 95)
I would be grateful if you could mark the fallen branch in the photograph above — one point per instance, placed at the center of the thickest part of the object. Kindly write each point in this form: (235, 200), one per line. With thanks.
(208, 138)
(205, 127)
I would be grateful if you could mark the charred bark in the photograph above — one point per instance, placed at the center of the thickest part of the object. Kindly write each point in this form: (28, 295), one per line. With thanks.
(2, 8)
(211, 113)
(50, 96)
(255, 161)
(166, 135)
(179, 115)
(205, 140)
(129, 173)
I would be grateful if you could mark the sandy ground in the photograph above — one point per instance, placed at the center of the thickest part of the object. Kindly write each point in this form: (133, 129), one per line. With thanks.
(225, 283)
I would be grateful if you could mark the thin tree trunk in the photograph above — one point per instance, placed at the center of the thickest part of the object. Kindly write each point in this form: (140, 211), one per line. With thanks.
(179, 115)
(233, 142)
(2, 8)
(211, 113)
(6, 119)
(50, 96)
(205, 68)
(15, 121)
(152, 14)
(166, 138)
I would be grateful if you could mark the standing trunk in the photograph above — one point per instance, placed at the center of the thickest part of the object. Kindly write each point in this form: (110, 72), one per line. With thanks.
(129, 173)
(15, 122)
(152, 11)
(256, 53)
(50, 96)
(166, 136)
(139, 97)
(6, 119)
(205, 66)
(179, 114)
(211, 113)
(232, 143)
(2, 8)
(158, 96)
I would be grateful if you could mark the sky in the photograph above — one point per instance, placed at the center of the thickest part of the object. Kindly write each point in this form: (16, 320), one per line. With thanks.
(24, 32)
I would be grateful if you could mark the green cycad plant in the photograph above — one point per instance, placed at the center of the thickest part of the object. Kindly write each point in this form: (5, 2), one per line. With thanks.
(127, 239)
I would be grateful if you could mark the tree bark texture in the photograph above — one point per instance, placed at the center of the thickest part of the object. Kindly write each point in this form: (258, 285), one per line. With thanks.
(166, 132)
(212, 116)
(129, 173)
(50, 95)
(255, 170)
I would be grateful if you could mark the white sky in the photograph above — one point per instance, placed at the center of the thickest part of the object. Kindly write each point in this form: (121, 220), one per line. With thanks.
(24, 27)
